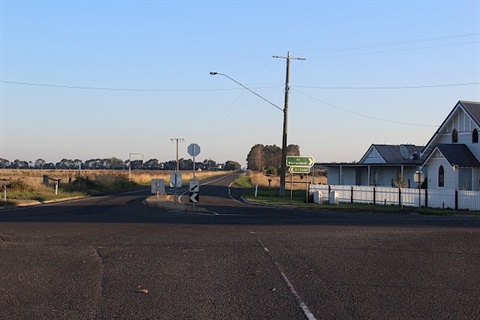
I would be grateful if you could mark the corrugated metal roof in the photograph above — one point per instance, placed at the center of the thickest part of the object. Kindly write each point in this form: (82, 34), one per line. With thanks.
(392, 154)
(473, 108)
(458, 155)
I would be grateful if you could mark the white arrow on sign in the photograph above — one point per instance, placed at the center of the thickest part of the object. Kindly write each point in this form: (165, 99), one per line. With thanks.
(194, 197)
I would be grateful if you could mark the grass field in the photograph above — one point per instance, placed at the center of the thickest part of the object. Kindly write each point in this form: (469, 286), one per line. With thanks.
(27, 185)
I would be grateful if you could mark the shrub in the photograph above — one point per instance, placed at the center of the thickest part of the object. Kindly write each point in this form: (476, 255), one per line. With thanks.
(20, 186)
(271, 170)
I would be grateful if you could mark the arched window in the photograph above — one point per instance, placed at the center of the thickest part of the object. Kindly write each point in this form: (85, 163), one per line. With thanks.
(441, 177)
(475, 136)
(454, 136)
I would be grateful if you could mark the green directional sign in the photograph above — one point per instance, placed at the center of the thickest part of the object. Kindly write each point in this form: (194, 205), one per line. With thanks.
(299, 169)
(300, 161)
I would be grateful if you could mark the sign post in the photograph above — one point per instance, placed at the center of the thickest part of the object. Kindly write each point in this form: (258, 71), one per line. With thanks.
(299, 165)
(418, 178)
(193, 150)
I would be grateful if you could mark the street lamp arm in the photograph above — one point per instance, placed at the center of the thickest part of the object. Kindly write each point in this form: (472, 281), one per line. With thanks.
(222, 74)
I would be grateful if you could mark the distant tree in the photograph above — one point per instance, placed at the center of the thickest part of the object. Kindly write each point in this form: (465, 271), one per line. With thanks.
(16, 163)
(64, 164)
(151, 164)
(39, 163)
(209, 164)
(49, 165)
(273, 156)
(261, 157)
(170, 165)
(232, 166)
(114, 163)
(94, 164)
(77, 163)
(4, 163)
(255, 158)
(293, 150)
(136, 164)
(185, 164)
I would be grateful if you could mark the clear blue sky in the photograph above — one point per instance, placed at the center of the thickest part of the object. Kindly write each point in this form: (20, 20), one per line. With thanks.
(100, 79)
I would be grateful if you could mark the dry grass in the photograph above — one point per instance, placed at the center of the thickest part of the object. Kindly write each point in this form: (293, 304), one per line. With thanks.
(34, 177)
(298, 183)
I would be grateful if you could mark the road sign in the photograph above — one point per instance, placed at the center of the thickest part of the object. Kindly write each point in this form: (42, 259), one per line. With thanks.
(418, 177)
(299, 169)
(175, 180)
(194, 186)
(300, 161)
(193, 149)
(194, 189)
(158, 186)
(194, 197)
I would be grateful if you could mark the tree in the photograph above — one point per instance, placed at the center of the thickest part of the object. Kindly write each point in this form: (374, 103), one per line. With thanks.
(114, 163)
(4, 163)
(209, 164)
(293, 150)
(232, 166)
(39, 163)
(273, 156)
(151, 164)
(255, 158)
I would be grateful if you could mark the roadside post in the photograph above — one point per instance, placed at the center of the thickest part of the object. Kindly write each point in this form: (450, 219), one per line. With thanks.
(418, 178)
(4, 193)
(176, 182)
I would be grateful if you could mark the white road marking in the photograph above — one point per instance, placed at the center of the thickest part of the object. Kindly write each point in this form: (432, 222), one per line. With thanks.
(301, 304)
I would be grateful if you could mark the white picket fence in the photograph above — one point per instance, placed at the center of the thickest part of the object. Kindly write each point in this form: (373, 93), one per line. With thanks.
(452, 199)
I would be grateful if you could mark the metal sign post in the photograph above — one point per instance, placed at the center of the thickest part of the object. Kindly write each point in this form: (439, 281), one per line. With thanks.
(418, 178)
(193, 150)
(299, 165)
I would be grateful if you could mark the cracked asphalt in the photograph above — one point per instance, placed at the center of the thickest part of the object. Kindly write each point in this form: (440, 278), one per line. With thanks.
(110, 257)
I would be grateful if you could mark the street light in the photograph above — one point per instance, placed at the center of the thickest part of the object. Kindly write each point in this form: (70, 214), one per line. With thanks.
(284, 135)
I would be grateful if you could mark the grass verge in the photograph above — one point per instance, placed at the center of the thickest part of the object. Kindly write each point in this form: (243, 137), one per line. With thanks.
(297, 198)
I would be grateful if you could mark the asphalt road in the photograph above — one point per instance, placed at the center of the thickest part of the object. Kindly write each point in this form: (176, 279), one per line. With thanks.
(110, 257)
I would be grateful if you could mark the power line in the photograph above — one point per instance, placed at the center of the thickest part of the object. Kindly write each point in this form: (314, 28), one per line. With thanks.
(121, 89)
(392, 88)
(365, 115)
(230, 89)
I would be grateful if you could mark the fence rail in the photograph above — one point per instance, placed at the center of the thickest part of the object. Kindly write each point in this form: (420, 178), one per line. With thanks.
(453, 199)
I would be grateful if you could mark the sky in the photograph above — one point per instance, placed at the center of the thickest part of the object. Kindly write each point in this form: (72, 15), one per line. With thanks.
(101, 79)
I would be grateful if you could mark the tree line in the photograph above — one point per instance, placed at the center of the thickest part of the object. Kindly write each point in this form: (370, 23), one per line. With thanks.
(269, 158)
(118, 164)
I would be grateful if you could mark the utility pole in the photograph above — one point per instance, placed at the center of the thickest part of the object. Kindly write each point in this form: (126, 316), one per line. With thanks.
(177, 140)
(285, 124)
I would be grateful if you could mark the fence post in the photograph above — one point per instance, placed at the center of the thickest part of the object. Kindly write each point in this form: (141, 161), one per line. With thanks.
(456, 199)
(329, 190)
(426, 198)
(399, 197)
(351, 194)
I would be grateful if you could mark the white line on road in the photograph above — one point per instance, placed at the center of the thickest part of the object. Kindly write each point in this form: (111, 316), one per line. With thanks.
(301, 304)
